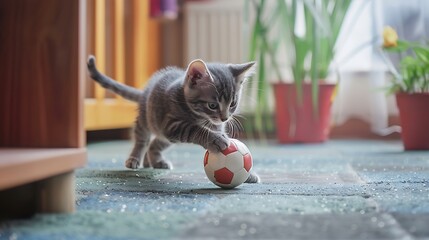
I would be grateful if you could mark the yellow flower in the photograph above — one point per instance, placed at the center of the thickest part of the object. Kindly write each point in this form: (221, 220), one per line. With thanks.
(390, 37)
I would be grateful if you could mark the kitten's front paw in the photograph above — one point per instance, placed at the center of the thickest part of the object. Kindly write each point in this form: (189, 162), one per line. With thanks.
(220, 143)
(132, 162)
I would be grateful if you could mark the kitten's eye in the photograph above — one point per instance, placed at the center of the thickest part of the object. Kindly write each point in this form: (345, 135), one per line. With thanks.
(212, 106)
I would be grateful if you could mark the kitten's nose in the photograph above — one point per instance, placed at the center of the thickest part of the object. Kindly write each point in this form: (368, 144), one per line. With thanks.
(224, 116)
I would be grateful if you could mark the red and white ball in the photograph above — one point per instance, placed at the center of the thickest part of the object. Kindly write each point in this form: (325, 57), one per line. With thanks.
(229, 168)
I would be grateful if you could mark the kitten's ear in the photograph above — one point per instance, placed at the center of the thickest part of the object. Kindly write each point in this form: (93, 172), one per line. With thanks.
(197, 73)
(243, 71)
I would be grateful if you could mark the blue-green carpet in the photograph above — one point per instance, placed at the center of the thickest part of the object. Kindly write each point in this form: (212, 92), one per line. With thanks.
(344, 189)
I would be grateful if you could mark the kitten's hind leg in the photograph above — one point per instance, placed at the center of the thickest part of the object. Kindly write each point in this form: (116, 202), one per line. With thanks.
(142, 137)
(154, 154)
(253, 178)
(146, 162)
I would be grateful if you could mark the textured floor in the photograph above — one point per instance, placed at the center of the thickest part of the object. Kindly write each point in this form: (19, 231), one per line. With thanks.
(336, 190)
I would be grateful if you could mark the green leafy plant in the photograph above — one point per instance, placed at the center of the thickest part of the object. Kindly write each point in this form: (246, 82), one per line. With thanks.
(310, 53)
(413, 76)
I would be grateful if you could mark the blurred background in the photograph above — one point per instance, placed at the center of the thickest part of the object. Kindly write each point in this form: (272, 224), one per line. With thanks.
(132, 39)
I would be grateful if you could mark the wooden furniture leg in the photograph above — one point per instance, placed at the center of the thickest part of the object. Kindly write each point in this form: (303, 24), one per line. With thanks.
(57, 194)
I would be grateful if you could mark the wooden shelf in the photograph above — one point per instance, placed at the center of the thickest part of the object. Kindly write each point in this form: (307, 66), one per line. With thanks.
(41, 105)
(20, 166)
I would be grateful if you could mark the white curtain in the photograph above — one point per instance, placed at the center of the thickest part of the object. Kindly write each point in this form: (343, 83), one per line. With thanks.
(363, 75)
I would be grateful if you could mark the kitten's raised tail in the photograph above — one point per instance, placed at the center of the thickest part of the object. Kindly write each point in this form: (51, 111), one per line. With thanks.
(123, 90)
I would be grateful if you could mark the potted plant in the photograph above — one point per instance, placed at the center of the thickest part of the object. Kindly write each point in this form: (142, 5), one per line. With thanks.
(302, 106)
(411, 87)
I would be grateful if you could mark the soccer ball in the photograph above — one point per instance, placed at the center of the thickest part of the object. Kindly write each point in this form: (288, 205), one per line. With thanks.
(229, 168)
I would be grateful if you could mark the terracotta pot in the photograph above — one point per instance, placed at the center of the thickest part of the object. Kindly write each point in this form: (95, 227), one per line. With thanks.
(414, 114)
(297, 122)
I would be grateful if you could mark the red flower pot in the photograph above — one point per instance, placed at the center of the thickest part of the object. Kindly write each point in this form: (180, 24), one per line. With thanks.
(297, 122)
(414, 114)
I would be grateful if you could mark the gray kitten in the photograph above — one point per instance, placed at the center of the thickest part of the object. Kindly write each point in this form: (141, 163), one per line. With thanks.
(190, 106)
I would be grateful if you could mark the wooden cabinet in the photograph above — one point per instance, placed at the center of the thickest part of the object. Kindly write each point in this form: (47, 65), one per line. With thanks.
(42, 74)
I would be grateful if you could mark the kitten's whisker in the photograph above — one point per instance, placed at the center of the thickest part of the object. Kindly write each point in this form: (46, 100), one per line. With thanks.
(206, 130)
(236, 130)
(238, 127)
(238, 124)
(239, 115)
(230, 128)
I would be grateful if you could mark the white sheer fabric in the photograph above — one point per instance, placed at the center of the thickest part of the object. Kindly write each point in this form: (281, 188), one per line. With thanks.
(362, 72)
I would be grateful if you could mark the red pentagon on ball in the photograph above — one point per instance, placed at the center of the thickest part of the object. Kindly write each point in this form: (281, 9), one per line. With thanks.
(223, 175)
(247, 162)
(232, 148)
